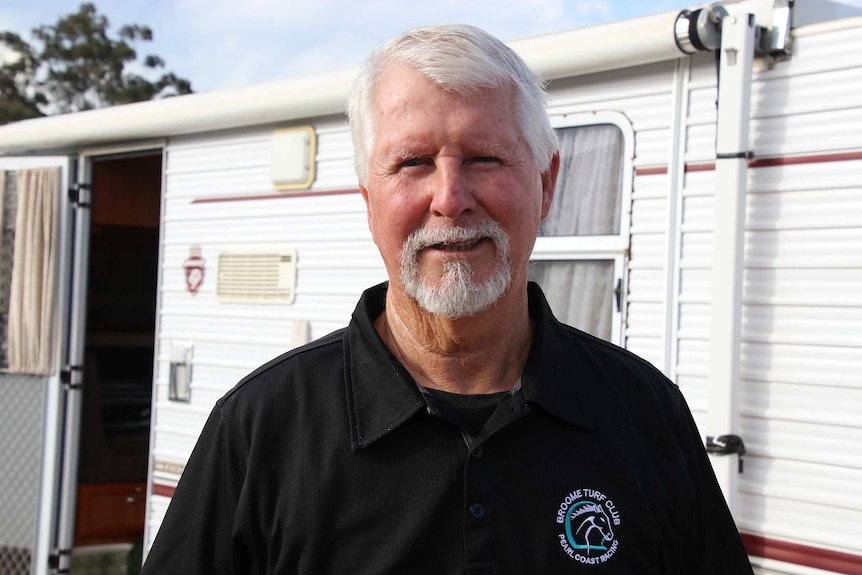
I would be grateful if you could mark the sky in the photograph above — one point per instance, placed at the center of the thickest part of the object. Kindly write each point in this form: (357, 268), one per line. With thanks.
(227, 43)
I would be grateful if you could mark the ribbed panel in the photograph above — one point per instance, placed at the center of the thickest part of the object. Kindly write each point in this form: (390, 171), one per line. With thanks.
(645, 95)
(801, 393)
(335, 261)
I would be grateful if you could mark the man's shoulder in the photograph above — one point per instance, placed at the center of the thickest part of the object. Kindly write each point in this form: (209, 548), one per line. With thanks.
(591, 356)
(620, 367)
(600, 348)
(316, 361)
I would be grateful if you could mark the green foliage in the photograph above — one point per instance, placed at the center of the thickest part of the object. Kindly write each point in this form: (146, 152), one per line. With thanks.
(79, 66)
(18, 101)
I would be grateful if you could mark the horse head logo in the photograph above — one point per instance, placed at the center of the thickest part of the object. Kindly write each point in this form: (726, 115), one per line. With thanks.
(588, 527)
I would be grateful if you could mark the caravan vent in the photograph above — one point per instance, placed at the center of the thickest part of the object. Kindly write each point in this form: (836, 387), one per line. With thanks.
(260, 277)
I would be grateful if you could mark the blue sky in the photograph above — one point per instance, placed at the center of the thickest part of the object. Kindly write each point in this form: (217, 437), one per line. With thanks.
(224, 43)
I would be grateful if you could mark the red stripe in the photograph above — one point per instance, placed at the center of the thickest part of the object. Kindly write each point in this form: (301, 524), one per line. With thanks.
(761, 163)
(817, 558)
(163, 490)
(700, 167)
(278, 196)
(813, 159)
(654, 171)
(661, 170)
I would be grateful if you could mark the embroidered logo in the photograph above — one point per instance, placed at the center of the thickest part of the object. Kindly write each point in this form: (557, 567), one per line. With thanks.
(587, 519)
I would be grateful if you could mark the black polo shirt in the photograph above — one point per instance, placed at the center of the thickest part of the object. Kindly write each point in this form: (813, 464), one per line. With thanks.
(328, 460)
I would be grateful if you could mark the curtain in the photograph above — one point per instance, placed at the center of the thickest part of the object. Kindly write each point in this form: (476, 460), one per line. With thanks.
(587, 202)
(580, 293)
(589, 187)
(33, 293)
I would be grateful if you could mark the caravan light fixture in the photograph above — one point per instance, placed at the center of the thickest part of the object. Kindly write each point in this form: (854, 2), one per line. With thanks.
(180, 376)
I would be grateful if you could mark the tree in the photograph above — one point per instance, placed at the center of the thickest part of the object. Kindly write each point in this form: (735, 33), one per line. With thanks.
(18, 99)
(78, 66)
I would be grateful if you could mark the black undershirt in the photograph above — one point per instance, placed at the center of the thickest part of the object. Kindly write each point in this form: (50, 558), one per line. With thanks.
(470, 412)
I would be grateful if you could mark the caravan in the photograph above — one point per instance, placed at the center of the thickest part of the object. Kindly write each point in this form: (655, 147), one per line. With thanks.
(708, 218)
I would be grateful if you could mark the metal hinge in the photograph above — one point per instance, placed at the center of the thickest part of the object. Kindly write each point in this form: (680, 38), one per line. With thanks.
(67, 379)
(618, 294)
(725, 445)
(54, 560)
(79, 194)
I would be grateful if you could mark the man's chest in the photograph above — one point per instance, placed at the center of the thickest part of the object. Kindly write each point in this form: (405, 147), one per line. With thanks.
(537, 496)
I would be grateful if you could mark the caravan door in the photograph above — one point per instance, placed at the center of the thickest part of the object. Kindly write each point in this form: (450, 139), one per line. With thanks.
(36, 250)
(74, 427)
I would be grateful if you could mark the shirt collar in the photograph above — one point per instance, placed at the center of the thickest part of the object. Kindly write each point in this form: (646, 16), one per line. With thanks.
(382, 395)
(552, 376)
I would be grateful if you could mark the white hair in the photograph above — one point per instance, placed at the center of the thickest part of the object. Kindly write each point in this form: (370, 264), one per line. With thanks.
(461, 59)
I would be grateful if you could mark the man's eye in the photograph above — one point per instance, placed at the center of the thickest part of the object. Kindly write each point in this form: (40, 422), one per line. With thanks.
(484, 159)
(411, 162)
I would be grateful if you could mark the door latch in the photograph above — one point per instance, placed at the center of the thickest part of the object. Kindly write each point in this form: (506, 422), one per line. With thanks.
(725, 445)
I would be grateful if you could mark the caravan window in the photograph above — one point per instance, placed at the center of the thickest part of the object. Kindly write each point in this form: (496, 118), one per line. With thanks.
(579, 259)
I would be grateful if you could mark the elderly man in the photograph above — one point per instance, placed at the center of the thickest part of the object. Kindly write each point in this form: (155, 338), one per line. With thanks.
(455, 426)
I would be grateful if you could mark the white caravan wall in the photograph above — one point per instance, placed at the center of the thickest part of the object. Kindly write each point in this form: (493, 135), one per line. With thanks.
(646, 95)
(801, 392)
(336, 260)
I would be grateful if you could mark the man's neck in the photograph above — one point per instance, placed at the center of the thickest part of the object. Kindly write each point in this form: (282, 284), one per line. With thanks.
(485, 353)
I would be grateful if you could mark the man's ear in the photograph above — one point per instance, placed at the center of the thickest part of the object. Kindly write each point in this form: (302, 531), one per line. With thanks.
(549, 182)
(369, 215)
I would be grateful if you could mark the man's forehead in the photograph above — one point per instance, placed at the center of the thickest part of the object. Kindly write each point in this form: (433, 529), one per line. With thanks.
(414, 115)
(395, 79)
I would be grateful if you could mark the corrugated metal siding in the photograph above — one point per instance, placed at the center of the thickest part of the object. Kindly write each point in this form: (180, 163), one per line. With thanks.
(645, 95)
(801, 393)
(336, 260)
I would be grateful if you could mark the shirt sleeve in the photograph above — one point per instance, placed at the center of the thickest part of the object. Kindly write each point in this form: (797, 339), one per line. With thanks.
(713, 546)
(200, 532)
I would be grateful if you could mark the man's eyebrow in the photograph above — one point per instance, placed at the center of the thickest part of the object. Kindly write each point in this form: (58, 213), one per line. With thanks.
(418, 148)
(487, 149)
(404, 152)
(408, 149)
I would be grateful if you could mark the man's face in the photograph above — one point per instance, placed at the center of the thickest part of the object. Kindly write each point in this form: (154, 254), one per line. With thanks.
(454, 199)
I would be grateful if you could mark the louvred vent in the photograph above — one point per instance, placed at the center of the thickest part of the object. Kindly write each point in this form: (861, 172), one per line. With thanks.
(268, 277)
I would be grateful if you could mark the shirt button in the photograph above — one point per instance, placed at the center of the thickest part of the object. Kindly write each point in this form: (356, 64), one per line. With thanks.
(477, 510)
(477, 452)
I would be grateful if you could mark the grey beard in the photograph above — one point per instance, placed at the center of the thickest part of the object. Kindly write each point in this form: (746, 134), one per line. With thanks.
(456, 295)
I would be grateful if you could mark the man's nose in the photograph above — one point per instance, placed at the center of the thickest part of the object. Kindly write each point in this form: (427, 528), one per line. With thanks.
(452, 193)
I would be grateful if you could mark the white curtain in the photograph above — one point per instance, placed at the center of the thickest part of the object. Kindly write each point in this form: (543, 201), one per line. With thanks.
(580, 293)
(33, 293)
(589, 186)
(587, 202)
